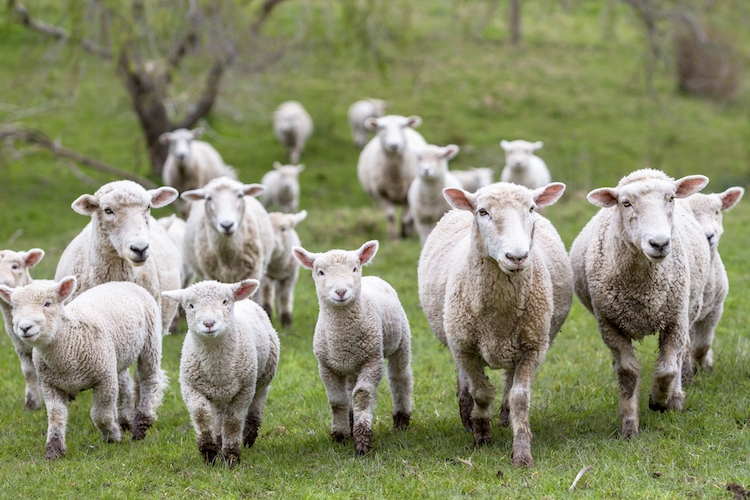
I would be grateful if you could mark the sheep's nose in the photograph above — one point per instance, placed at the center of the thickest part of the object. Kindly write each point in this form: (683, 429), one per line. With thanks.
(141, 250)
(710, 237)
(25, 328)
(517, 258)
(341, 292)
(659, 244)
(209, 324)
(227, 226)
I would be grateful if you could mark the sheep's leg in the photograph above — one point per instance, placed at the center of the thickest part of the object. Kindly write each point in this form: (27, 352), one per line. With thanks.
(202, 417)
(390, 215)
(401, 384)
(233, 424)
(465, 401)
(340, 401)
(667, 393)
(407, 222)
(504, 419)
(104, 409)
(483, 392)
(351, 381)
(33, 392)
(627, 369)
(702, 338)
(266, 295)
(285, 300)
(125, 401)
(151, 384)
(57, 419)
(255, 416)
(519, 402)
(363, 402)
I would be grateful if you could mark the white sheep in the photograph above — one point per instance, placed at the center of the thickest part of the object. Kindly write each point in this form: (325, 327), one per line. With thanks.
(425, 197)
(14, 272)
(292, 126)
(474, 178)
(190, 163)
(495, 284)
(388, 164)
(283, 269)
(282, 187)
(229, 236)
(123, 242)
(640, 266)
(229, 358)
(708, 210)
(175, 229)
(361, 111)
(522, 166)
(89, 344)
(361, 322)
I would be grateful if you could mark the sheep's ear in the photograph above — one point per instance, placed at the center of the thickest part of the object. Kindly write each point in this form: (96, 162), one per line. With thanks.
(277, 165)
(537, 145)
(298, 217)
(549, 194)
(175, 295)
(33, 256)
(162, 196)
(367, 251)
(86, 204)
(253, 189)
(371, 123)
(194, 195)
(244, 289)
(689, 185)
(460, 199)
(5, 292)
(504, 144)
(450, 151)
(730, 197)
(603, 197)
(197, 132)
(304, 257)
(300, 167)
(66, 287)
(413, 121)
(164, 138)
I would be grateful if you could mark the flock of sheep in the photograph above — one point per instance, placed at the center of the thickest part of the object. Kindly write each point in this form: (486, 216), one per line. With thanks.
(495, 284)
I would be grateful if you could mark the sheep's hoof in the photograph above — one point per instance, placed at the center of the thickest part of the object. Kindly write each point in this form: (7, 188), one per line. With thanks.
(231, 457)
(504, 420)
(142, 424)
(482, 431)
(250, 433)
(268, 309)
(339, 436)
(209, 452)
(125, 426)
(33, 403)
(362, 439)
(286, 320)
(521, 459)
(401, 420)
(55, 449)
(465, 405)
(629, 429)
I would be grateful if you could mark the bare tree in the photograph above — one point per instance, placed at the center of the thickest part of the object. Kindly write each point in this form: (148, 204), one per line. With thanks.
(514, 22)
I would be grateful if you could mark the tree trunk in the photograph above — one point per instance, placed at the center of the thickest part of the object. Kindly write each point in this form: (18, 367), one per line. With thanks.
(515, 22)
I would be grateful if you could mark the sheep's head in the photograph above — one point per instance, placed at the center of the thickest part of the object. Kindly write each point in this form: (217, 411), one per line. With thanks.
(390, 131)
(283, 228)
(708, 210)
(121, 212)
(180, 142)
(288, 179)
(14, 266)
(337, 273)
(518, 153)
(209, 305)
(38, 308)
(644, 201)
(504, 218)
(432, 161)
(224, 202)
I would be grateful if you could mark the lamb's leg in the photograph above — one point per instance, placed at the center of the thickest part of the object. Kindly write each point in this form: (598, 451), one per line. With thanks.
(702, 338)
(125, 401)
(202, 417)
(519, 402)
(233, 424)
(56, 402)
(266, 295)
(285, 299)
(104, 409)
(151, 384)
(667, 393)
(363, 402)
(339, 400)
(465, 401)
(504, 419)
(255, 416)
(401, 383)
(33, 393)
(407, 222)
(390, 215)
(483, 392)
(627, 369)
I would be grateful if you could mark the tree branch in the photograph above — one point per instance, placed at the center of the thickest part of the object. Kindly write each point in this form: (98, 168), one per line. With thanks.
(260, 18)
(210, 93)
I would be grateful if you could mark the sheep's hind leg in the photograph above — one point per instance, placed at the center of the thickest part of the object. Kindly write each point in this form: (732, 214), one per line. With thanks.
(504, 419)
(483, 393)
(402, 384)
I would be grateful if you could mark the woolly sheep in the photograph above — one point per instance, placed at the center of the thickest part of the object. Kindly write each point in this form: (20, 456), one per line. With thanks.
(14, 272)
(123, 242)
(229, 236)
(229, 358)
(361, 111)
(175, 229)
(292, 126)
(640, 266)
(474, 178)
(425, 197)
(282, 187)
(190, 164)
(283, 268)
(388, 164)
(522, 166)
(361, 322)
(708, 209)
(89, 344)
(495, 284)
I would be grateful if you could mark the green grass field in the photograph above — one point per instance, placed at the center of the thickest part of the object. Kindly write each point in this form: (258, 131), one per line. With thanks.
(576, 83)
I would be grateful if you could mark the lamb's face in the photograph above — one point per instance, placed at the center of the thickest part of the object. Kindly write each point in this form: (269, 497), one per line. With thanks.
(390, 131)
(283, 229)
(14, 266)
(432, 161)
(38, 309)
(180, 142)
(707, 211)
(288, 180)
(518, 153)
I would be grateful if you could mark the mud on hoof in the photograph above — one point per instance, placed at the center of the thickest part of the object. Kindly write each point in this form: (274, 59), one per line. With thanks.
(286, 320)
(32, 403)
(250, 432)
(504, 419)
(401, 420)
(210, 452)
(55, 449)
(522, 459)
(465, 405)
(231, 456)
(339, 437)
(482, 431)
(141, 425)
(629, 429)
(362, 439)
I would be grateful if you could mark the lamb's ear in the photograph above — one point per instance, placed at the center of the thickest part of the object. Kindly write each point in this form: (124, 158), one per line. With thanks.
(277, 165)
(460, 199)
(33, 256)
(164, 138)
(371, 123)
(197, 132)
(298, 217)
(5, 292)
(175, 295)
(504, 144)
(450, 151)
(163, 196)
(368, 251)
(548, 194)
(413, 121)
(244, 289)
(730, 197)
(253, 189)
(66, 287)
(688, 185)
(304, 257)
(603, 197)
(537, 145)
(194, 195)
(300, 167)
(86, 204)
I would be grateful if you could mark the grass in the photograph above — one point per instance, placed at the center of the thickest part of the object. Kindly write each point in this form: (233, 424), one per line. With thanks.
(579, 91)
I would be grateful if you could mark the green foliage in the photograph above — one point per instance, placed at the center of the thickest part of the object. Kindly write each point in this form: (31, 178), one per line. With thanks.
(568, 85)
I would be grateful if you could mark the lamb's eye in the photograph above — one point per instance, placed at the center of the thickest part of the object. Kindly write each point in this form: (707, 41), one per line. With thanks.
(717, 212)
(240, 196)
(531, 208)
(482, 212)
(108, 211)
(48, 303)
(626, 204)
(190, 306)
(355, 269)
(321, 273)
(671, 199)
(15, 265)
(225, 302)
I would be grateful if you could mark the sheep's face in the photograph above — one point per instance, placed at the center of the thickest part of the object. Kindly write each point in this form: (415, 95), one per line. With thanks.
(708, 210)
(288, 180)
(224, 202)
(180, 142)
(14, 266)
(390, 131)
(38, 308)
(432, 161)
(283, 230)
(518, 153)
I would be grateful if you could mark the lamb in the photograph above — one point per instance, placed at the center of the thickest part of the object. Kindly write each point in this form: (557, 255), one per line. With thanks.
(89, 344)
(474, 178)
(229, 358)
(229, 236)
(708, 209)
(14, 272)
(388, 164)
(282, 187)
(292, 126)
(640, 266)
(175, 229)
(361, 111)
(522, 166)
(283, 268)
(190, 164)
(123, 242)
(495, 284)
(425, 196)
(361, 321)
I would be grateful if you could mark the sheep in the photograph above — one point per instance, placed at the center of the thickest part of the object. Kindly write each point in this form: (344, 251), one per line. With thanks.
(640, 266)
(282, 187)
(229, 358)
(190, 164)
(474, 178)
(175, 229)
(387, 166)
(123, 242)
(522, 166)
(14, 272)
(495, 284)
(361, 111)
(283, 268)
(425, 196)
(229, 236)
(89, 343)
(708, 209)
(292, 126)
(361, 322)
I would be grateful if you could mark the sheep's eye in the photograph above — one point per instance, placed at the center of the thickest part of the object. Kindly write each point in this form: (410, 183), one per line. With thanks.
(48, 303)
(225, 302)
(108, 211)
(671, 199)
(626, 204)
(240, 196)
(190, 306)
(531, 208)
(482, 212)
(718, 212)
(321, 273)
(355, 269)
(15, 265)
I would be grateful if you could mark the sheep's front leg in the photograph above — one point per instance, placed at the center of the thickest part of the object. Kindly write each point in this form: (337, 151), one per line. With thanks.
(104, 409)
(390, 215)
(125, 402)
(285, 300)
(57, 420)
(627, 369)
(519, 403)
(401, 383)
(667, 393)
(363, 402)
(407, 222)
(233, 423)
(202, 417)
(465, 401)
(482, 391)
(33, 392)
(504, 419)
(340, 402)
(266, 295)
(151, 383)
